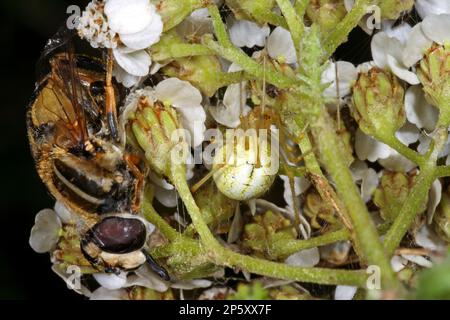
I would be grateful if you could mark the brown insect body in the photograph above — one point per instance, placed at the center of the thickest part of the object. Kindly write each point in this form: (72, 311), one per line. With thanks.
(74, 138)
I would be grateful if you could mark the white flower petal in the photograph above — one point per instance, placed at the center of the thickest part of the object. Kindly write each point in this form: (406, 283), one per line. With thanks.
(63, 213)
(419, 260)
(167, 198)
(408, 134)
(136, 63)
(367, 148)
(244, 33)
(435, 195)
(397, 162)
(400, 32)
(426, 238)
(178, 93)
(193, 119)
(401, 71)
(148, 279)
(347, 75)
(111, 281)
(345, 293)
(192, 284)
(124, 77)
(369, 184)
(300, 186)
(280, 46)
(306, 258)
(415, 47)
(419, 111)
(234, 105)
(437, 28)
(398, 263)
(382, 45)
(128, 16)
(429, 7)
(45, 233)
(145, 38)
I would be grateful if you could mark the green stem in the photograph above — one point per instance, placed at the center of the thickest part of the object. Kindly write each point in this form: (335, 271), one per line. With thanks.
(365, 234)
(340, 33)
(251, 66)
(418, 194)
(442, 171)
(181, 50)
(294, 22)
(284, 248)
(300, 7)
(226, 257)
(397, 145)
(154, 218)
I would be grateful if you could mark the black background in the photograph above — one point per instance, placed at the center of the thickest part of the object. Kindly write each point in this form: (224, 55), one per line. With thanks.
(25, 27)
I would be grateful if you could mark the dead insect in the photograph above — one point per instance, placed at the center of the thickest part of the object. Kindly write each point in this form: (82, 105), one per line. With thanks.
(76, 143)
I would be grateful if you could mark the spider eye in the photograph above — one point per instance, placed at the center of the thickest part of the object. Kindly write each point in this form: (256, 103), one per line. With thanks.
(119, 235)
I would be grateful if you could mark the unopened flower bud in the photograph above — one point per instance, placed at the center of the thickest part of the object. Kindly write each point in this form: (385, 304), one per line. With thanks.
(442, 217)
(326, 13)
(153, 126)
(434, 73)
(378, 104)
(394, 9)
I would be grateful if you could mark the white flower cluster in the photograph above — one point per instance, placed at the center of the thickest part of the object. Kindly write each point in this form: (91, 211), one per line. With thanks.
(129, 27)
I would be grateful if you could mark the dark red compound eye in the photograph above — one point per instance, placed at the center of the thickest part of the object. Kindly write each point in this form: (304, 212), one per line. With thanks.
(119, 235)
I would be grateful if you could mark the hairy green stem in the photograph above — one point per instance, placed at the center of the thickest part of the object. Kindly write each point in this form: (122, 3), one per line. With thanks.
(154, 218)
(418, 194)
(181, 50)
(294, 22)
(226, 257)
(397, 145)
(365, 234)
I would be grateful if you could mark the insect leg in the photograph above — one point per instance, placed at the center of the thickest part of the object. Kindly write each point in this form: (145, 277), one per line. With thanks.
(110, 98)
(160, 271)
(138, 185)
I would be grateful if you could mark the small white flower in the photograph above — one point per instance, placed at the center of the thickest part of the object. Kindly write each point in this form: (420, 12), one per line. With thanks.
(387, 53)
(435, 195)
(300, 186)
(191, 284)
(426, 238)
(188, 102)
(305, 258)
(426, 8)
(367, 148)
(128, 27)
(345, 292)
(366, 177)
(398, 263)
(419, 111)
(233, 106)
(400, 32)
(280, 46)
(244, 33)
(45, 232)
(111, 281)
(419, 260)
(346, 76)
(434, 28)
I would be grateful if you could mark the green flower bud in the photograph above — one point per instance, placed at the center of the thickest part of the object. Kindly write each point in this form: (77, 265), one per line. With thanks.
(288, 292)
(326, 13)
(173, 12)
(266, 229)
(153, 126)
(434, 73)
(393, 9)
(203, 72)
(250, 9)
(378, 104)
(441, 219)
(321, 213)
(392, 193)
